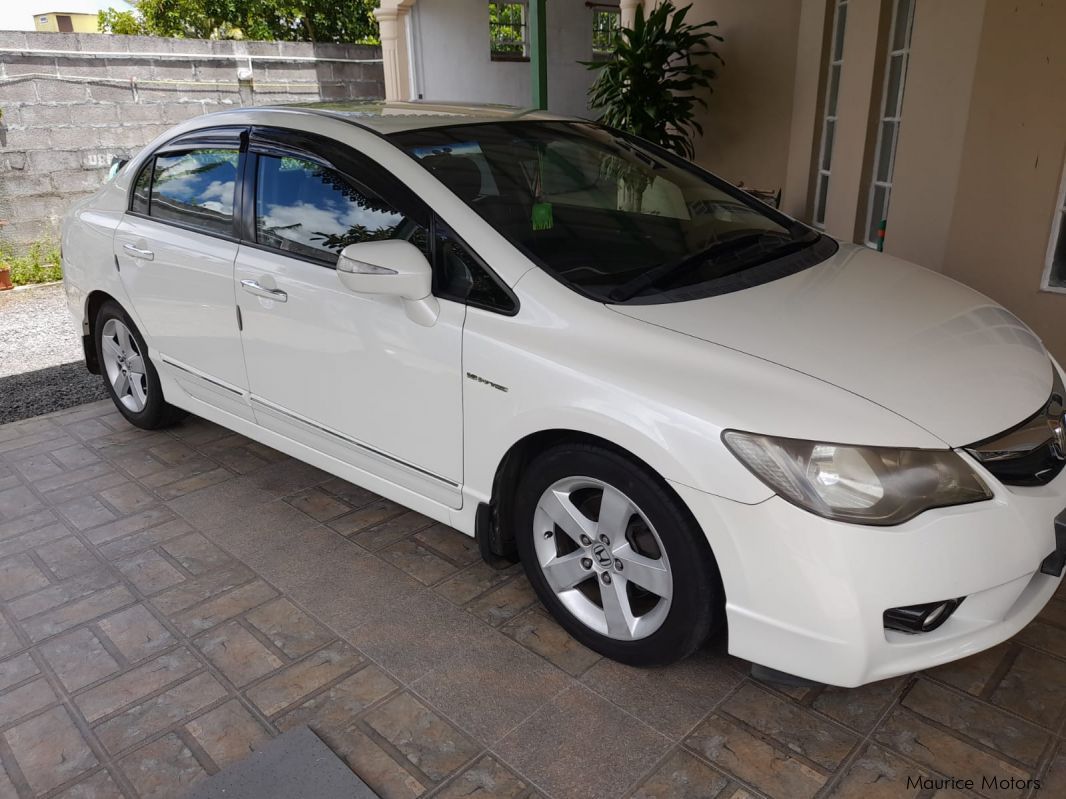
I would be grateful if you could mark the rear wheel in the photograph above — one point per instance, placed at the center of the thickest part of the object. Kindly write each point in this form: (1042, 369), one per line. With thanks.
(615, 556)
(128, 373)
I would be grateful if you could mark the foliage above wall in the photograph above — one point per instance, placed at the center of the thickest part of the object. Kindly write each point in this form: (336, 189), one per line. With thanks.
(350, 21)
(648, 85)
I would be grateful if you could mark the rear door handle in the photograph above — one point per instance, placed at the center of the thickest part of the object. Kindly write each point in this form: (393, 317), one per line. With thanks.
(260, 291)
(137, 252)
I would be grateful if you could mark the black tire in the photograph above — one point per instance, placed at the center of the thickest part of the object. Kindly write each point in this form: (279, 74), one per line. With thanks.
(696, 609)
(157, 413)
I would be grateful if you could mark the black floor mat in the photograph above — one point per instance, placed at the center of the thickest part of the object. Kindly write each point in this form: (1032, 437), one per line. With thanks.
(295, 765)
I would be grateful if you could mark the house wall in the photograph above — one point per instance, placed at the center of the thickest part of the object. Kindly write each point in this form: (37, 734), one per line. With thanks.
(66, 114)
(748, 122)
(82, 23)
(452, 61)
(1011, 164)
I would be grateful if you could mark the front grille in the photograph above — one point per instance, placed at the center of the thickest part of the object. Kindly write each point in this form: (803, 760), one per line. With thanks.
(1032, 453)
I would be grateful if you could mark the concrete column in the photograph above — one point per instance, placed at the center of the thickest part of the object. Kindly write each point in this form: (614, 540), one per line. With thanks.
(859, 100)
(936, 109)
(628, 10)
(396, 57)
(805, 129)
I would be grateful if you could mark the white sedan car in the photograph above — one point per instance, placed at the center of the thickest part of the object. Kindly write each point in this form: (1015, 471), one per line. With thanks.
(681, 409)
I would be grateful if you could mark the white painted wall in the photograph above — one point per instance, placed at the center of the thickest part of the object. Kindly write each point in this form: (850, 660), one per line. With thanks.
(451, 61)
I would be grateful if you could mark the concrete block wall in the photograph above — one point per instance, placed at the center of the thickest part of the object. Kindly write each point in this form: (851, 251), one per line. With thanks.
(73, 101)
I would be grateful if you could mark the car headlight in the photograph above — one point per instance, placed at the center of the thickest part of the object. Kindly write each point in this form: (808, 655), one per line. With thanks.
(865, 485)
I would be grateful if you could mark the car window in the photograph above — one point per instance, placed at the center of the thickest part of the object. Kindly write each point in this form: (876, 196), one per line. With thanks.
(461, 276)
(613, 217)
(141, 189)
(195, 188)
(310, 210)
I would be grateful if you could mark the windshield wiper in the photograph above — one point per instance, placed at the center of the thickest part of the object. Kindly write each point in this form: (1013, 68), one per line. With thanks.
(756, 240)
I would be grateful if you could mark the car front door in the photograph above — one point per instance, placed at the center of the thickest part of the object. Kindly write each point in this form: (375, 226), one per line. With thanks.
(351, 375)
(175, 250)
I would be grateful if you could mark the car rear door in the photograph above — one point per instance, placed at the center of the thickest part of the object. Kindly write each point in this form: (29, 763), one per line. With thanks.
(350, 375)
(175, 250)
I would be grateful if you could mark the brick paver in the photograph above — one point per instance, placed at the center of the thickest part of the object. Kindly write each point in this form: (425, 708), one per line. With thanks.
(169, 601)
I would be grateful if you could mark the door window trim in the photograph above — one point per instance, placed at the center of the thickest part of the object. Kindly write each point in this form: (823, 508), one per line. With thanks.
(206, 138)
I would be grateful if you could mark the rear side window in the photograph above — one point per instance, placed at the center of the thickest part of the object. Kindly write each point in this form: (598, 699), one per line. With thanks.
(195, 189)
(141, 189)
(310, 210)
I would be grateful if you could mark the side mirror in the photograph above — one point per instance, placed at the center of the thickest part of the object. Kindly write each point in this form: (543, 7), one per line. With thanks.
(393, 268)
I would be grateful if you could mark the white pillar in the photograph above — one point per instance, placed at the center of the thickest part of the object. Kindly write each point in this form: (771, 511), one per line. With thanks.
(396, 57)
(629, 12)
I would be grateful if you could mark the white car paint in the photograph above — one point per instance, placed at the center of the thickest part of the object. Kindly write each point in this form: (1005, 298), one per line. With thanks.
(861, 349)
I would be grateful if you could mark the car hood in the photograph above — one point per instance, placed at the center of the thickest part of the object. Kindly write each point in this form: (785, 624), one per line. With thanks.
(922, 345)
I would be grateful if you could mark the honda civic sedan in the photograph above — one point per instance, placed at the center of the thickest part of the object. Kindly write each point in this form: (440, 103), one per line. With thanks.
(682, 410)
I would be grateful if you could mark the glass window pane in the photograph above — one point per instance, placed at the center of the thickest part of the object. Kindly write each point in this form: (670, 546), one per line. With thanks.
(900, 29)
(823, 191)
(878, 212)
(1058, 262)
(894, 90)
(827, 147)
(884, 153)
(304, 208)
(196, 189)
(841, 22)
(834, 91)
(140, 190)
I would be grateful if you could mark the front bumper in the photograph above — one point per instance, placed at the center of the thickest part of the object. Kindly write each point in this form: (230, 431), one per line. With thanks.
(806, 595)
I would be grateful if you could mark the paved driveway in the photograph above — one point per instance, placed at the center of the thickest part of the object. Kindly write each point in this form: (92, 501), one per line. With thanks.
(171, 600)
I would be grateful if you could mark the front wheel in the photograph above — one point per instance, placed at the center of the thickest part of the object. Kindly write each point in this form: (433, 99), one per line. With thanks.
(615, 556)
(130, 376)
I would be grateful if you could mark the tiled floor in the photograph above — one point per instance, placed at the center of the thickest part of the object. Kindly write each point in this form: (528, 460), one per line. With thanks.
(169, 601)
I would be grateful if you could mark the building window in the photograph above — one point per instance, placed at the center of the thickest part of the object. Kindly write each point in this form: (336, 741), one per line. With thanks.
(1055, 274)
(606, 21)
(899, 44)
(829, 114)
(508, 32)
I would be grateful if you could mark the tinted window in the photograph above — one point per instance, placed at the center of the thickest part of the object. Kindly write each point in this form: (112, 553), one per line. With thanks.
(461, 275)
(307, 209)
(604, 212)
(139, 205)
(196, 189)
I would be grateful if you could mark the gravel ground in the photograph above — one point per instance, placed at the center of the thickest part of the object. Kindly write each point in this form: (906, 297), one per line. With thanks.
(41, 363)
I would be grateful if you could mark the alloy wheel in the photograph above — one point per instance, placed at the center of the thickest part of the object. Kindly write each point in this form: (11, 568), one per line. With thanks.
(602, 558)
(124, 365)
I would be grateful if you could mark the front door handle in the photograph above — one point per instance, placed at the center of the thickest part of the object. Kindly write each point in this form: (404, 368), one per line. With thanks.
(137, 252)
(271, 294)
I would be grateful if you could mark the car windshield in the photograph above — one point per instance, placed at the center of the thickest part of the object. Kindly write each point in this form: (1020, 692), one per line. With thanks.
(608, 214)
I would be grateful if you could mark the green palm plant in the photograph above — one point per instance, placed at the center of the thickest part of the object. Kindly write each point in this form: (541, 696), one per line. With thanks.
(649, 84)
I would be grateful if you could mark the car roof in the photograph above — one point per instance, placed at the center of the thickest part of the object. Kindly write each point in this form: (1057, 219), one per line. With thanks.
(393, 117)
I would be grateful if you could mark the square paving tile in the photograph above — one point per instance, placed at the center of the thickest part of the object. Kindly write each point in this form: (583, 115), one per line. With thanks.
(237, 653)
(163, 769)
(288, 628)
(49, 749)
(78, 659)
(228, 733)
(429, 742)
(136, 633)
(554, 746)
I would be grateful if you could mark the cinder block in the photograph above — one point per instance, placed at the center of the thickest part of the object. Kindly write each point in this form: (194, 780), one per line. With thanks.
(179, 112)
(57, 91)
(55, 41)
(19, 91)
(217, 71)
(68, 138)
(30, 65)
(111, 93)
(83, 180)
(82, 67)
(127, 68)
(51, 160)
(94, 114)
(137, 112)
(13, 40)
(45, 116)
(285, 72)
(24, 185)
(173, 69)
(11, 117)
(155, 44)
(24, 139)
(12, 162)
